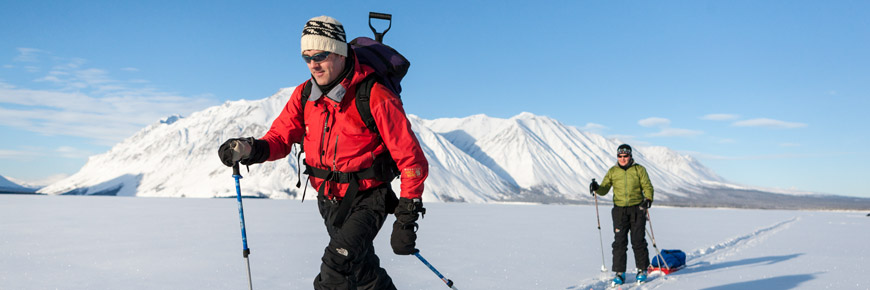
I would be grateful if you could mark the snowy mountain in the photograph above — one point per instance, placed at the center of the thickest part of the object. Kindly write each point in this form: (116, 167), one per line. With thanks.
(7, 185)
(476, 159)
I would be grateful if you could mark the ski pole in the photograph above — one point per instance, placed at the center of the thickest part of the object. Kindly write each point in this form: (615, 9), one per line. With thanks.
(446, 281)
(600, 240)
(652, 237)
(245, 250)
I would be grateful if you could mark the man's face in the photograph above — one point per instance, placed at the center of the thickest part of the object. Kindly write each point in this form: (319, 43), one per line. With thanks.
(623, 159)
(326, 70)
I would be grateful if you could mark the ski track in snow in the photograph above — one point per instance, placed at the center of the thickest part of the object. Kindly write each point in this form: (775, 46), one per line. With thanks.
(694, 260)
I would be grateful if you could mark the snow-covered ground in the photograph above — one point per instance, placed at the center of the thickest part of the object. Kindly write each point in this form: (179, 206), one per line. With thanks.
(72, 242)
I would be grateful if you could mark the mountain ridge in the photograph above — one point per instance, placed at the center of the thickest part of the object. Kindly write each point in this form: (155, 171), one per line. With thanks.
(475, 159)
(10, 186)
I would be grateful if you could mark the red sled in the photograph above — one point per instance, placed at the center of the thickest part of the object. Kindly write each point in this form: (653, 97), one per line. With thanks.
(664, 270)
(668, 261)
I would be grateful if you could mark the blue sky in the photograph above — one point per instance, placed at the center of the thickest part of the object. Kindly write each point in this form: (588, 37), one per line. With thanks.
(766, 93)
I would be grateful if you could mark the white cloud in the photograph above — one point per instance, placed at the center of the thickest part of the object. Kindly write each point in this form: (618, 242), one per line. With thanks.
(71, 152)
(770, 123)
(701, 155)
(28, 54)
(727, 141)
(130, 69)
(90, 103)
(654, 122)
(71, 64)
(627, 139)
(720, 117)
(666, 130)
(14, 154)
(621, 137)
(593, 127)
(675, 132)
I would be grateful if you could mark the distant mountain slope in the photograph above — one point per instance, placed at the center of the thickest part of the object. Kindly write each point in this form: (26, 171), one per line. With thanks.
(7, 186)
(475, 159)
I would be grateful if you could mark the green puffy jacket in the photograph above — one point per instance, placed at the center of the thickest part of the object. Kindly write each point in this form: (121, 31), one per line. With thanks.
(629, 186)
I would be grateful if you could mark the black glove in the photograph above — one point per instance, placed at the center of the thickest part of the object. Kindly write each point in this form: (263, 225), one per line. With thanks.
(593, 187)
(404, 237)
(236, 150)
(646, 203)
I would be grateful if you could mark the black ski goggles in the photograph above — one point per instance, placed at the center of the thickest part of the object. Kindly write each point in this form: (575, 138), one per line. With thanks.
(317, 57)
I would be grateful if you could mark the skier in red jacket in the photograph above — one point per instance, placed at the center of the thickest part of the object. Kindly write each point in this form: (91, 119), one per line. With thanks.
(349, 165)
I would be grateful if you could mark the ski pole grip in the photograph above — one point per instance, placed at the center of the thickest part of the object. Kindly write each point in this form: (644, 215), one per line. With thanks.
(236, 169)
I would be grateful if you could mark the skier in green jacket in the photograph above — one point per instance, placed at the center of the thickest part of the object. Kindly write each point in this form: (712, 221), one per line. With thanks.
(632, 195)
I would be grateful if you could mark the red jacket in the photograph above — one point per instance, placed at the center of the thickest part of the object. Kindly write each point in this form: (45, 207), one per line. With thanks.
(336, 139)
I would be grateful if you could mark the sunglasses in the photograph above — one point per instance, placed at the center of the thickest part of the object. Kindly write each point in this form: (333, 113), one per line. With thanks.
(316, 58)
(623, 156)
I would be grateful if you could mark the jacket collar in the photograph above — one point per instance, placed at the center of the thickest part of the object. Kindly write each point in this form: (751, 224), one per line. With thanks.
(353, 78)
(627, 166)
(335, 94)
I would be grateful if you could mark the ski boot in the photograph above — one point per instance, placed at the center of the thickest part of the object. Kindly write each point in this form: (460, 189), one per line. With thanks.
(618, 279)
(641, 276)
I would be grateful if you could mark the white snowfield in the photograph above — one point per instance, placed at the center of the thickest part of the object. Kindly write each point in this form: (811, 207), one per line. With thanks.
(73, 242)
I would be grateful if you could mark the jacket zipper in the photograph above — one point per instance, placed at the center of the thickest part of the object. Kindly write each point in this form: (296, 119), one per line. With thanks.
(324, 136)
(625, 187)
(335, 154)
(335, 146)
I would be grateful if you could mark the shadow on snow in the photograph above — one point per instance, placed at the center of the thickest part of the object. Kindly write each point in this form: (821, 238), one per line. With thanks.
(706, 266)
(781, 282)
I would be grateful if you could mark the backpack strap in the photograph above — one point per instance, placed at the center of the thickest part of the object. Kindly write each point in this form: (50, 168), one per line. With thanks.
(363, 103)
(306, 92)
(389, 169)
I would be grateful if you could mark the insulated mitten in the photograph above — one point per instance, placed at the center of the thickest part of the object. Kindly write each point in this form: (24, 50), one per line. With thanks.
(404, 237)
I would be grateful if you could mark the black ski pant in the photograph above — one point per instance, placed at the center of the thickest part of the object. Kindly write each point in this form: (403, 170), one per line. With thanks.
(349, 261)
(629, 221)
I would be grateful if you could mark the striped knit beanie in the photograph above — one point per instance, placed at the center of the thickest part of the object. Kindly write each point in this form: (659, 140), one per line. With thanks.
(324, 33)
(623, 149)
